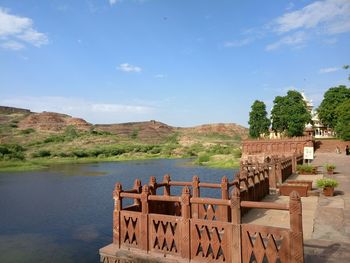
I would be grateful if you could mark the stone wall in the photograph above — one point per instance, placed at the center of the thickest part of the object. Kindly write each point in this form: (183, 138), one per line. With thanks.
(281, 147)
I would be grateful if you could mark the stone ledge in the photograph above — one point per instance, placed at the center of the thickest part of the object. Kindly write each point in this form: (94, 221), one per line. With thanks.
(112, 254)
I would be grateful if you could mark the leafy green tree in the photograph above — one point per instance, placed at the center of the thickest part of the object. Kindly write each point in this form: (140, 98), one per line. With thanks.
(289, 114)
(258, 121)
(331, 99)
(343, 120)
(346, 67)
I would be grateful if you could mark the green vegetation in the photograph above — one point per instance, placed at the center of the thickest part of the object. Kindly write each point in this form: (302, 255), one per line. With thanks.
(329, 167)
(326, 182)
(333, 97)
(11, 152)
(32, 148)
(306, 169)
(258, 121)
(343, 120)
(289, 114)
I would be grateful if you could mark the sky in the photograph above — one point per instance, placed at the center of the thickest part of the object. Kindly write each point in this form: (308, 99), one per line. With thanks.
(181, 62)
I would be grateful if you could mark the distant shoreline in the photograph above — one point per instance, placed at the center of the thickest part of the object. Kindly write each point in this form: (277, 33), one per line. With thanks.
(43, 163)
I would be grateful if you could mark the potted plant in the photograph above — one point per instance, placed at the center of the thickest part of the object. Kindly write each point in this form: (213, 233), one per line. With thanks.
(327, 185)
(306, 169)
(329, 168)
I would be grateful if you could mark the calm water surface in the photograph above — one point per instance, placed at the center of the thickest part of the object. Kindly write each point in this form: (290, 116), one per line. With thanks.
(64, 214)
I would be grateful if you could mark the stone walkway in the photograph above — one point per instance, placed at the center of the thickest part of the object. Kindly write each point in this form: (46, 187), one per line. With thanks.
(330, 240)
(326, 220)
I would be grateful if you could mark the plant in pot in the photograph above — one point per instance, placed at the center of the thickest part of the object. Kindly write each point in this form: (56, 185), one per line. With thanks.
(306, 169)
(329, 168)
(327, 185)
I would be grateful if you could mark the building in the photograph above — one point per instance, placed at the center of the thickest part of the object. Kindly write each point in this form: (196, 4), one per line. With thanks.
(319, 130)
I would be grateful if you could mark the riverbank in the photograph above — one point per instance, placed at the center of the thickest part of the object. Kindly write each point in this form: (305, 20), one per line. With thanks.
(215, 161)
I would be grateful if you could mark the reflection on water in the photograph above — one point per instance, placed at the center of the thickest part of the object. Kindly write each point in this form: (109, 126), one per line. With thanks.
(63, 215)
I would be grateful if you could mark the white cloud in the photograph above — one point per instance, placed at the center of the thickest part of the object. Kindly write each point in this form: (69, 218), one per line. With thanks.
(34, 37)
(91, 111)
(13, 45)
(126, 67)
(112, 2)
(298, 39)
(290, 6)
(328, 70)
(332, 15)
(238, 43)
(16, 31)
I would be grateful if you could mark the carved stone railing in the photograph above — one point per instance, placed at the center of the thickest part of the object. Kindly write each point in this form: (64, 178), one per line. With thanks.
(285, 146)
(276, 169)
(197, 229)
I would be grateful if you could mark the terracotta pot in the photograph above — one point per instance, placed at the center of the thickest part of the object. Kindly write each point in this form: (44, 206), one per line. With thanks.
(328, 191)
(330, 171)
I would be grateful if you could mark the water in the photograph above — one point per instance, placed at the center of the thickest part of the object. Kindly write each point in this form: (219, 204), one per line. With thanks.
(64, 213)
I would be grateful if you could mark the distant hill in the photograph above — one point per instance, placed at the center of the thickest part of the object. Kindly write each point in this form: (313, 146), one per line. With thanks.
(47, 137)
(148, 131)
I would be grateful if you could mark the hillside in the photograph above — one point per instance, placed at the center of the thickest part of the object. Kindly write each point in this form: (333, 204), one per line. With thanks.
(31, 136)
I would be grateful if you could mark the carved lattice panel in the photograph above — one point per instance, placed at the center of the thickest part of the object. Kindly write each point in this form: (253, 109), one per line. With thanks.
(210, 240)
(164, 234)
(209, 212)
(263, 244)
(130, 228)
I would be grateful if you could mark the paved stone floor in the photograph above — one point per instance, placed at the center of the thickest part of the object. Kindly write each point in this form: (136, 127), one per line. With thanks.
(330, 240)
(326, 220)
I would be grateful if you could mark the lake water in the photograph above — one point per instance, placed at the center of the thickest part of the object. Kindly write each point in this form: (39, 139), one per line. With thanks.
(64, 213)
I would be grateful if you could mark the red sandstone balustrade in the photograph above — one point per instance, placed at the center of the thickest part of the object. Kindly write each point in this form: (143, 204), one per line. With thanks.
(215, 239)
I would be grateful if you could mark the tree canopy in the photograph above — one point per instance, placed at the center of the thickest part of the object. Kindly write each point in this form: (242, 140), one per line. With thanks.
(258, 121)
(331, 99)
(343, 120)
(289, 114)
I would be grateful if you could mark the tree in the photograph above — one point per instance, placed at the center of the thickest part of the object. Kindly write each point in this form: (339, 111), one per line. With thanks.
(289, 114)
(258, 121)
(343, 120)
(331, 99)
(346, 67)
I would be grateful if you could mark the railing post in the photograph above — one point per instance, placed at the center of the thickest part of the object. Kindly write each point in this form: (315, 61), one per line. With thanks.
(224, 213)
(166, 180)
(144, 218)
(152, 185)
(116, 213)
(294, 163)
(278, 172)
(195, 193)
(138, 188)
(236, 224)
(185, 226)
(272, 176)
(296, 229)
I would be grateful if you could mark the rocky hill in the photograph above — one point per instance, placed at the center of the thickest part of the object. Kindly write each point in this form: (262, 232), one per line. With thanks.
(51, 121)
(148, 131)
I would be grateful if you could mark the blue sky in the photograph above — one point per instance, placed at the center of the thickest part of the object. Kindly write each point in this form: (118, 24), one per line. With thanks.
(182, 62)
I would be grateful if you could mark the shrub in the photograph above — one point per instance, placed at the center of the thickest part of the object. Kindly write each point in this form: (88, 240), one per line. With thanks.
(71, 132)
(326, 182)
(134, 134)
(11, 152)
(308, 169)
(80, 153)
(203, 157)
(155, 150)
(41, 153)
(329, 167)
(27, 131)
(54, 138)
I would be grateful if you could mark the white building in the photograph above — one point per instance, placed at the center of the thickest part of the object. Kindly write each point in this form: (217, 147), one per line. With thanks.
(320, 131)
